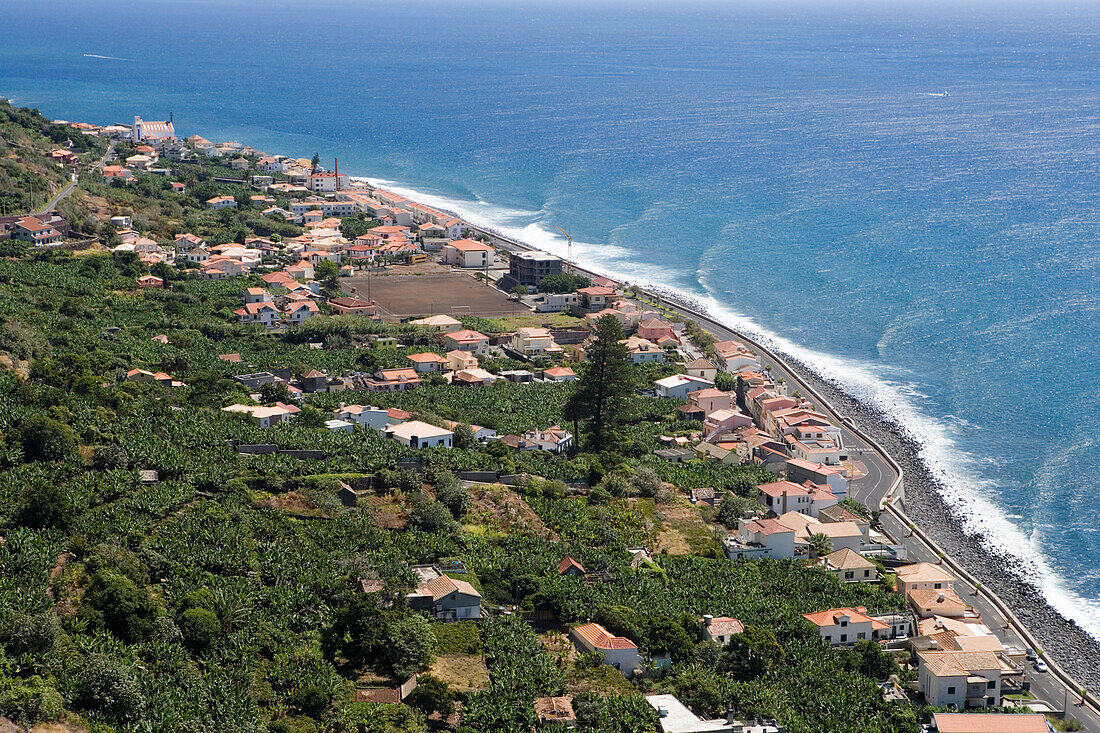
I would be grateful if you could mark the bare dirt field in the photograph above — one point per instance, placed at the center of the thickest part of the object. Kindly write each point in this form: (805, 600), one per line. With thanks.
(432, 293)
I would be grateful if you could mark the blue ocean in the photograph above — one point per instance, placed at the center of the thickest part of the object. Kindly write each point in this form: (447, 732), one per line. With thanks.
(905, 194)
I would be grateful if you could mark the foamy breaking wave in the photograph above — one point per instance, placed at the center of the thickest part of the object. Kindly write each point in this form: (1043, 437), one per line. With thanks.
(958, 472)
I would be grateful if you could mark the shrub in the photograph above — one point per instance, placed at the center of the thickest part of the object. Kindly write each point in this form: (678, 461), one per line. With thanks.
(410, 645)
(26, 634)
(30, 701)
(119, 605)
(311, 700)
(455, 497)
(45, 505)
(109, 456)
(106, 687)
(45, 439)
(431, 516)
(432, 695)
(200, 628)
(646, 481)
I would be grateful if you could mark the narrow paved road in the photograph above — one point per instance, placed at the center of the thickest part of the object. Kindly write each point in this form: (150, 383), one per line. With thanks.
(52, 204)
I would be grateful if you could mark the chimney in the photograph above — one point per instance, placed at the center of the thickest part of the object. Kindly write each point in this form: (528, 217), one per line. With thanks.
(707, 619)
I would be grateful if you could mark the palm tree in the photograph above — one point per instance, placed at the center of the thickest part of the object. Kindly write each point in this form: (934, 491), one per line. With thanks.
(820, 544)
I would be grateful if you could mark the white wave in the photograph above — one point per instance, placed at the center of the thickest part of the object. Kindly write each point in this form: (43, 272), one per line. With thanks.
(109, 58)
(958, 472)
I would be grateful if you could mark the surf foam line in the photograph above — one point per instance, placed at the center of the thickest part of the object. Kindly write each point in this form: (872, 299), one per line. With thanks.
(956, 471)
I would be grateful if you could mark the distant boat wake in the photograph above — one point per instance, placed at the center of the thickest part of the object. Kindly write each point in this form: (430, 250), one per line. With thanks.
(109, 58)
(936, 94)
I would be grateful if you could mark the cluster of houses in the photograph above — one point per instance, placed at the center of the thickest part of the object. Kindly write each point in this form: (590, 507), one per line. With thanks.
(264, 309)
(960, 661)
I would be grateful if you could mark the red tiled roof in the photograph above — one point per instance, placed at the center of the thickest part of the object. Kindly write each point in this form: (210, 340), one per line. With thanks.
(568, 563)
(600, 638)
(832, 616)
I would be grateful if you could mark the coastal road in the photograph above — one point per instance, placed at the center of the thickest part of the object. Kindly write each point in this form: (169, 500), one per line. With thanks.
(1044, 686)
(879, 478)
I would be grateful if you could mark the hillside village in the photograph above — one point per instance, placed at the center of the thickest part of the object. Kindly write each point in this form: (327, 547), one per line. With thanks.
(261, 416)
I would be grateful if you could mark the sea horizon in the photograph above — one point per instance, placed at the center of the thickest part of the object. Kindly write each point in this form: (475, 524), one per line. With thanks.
(918, 224)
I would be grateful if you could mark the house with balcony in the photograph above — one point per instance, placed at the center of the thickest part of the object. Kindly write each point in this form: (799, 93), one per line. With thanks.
(758, 538)
(643, 351)
(261, 313)
(846, 626)
(468, 341)
(535, 341)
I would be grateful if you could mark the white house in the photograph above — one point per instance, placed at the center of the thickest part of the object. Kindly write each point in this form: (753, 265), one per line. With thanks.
(262, 313)
(783, 496)
(757, 538)
(960, 680)
(301, 311)
(327, 182)
(366, 415)
(844, 626)
(446, 598)
(617, 651)
(221, 202)
(264, 417)
(427, 362)
(850, 567)
(643, 351)
(721, 629)
(702, 368)
(467, 253)
(552, 439)
(418, 434)
(679, 386)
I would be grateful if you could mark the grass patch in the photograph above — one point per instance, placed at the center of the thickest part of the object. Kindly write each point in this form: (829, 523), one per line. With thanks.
(457, 638)
(463, 672)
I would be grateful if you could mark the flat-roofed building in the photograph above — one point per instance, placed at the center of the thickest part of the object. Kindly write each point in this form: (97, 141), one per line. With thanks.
(528, 268)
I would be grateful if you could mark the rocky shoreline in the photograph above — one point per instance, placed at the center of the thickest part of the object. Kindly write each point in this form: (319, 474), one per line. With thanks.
(1073, 649)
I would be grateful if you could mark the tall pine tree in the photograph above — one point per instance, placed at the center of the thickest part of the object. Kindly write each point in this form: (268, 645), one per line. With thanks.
(601, 395)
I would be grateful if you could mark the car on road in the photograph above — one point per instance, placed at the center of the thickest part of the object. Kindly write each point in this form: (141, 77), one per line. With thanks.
(1031, 655)
(1040, 665)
